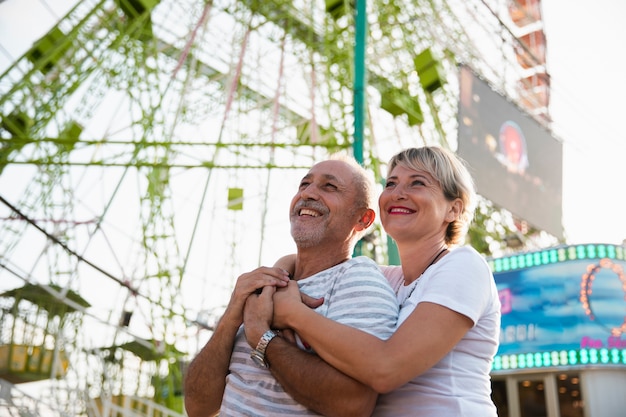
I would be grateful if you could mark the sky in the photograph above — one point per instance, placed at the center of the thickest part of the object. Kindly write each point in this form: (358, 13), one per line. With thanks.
(585, 58)
(585, 44)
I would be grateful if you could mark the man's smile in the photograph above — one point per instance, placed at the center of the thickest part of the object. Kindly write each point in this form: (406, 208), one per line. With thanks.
(308, 212)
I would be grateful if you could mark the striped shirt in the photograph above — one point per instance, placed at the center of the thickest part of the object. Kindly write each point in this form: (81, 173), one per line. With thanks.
(355, 293)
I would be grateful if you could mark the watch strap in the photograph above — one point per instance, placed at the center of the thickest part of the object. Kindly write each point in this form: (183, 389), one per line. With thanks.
(258, 354)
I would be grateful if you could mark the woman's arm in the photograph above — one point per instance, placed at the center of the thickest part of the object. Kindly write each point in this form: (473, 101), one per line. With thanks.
(287, 262)
(305, 376)
(427, 335)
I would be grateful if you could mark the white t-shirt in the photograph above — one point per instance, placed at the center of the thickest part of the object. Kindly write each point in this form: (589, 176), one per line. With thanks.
(355, 293)
(459, 384)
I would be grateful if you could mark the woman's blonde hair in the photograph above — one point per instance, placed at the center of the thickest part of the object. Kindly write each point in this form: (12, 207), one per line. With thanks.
(454, 179)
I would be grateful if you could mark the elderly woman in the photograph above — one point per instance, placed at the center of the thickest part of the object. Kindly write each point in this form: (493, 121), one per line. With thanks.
(437, 362)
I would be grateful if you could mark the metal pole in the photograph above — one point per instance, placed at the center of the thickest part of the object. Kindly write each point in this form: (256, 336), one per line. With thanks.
(360, 41)
(360, 78)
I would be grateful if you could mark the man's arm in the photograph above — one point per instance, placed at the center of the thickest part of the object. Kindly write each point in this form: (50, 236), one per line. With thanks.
(205, 379)
(307, 378)
(317, 385)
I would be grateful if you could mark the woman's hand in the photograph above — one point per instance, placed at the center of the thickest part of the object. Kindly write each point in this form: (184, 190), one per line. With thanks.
(288, 299)
(312, 302)
(250, 283)
(259, 311)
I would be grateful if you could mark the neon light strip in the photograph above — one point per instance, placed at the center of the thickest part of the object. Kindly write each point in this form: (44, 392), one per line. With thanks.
(556, 255)
(559, 358)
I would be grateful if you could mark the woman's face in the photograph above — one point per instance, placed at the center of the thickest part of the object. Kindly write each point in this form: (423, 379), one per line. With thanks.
(413, 207)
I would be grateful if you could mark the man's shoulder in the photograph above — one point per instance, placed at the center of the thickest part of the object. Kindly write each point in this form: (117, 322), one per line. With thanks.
(363, 261)
(359, 270)
(364, 299)
(363, 271)
(364, 267)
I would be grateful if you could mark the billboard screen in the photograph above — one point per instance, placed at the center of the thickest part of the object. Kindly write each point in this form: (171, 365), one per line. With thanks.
(516, 163)
(562, 306)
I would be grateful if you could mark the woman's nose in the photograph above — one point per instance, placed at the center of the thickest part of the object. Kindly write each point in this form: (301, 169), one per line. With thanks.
(398, 193)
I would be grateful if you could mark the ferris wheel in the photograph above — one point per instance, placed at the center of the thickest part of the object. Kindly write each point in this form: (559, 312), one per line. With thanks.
(149, 149)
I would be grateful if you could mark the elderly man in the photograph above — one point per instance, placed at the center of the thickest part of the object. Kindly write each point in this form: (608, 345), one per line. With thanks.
(329, 213)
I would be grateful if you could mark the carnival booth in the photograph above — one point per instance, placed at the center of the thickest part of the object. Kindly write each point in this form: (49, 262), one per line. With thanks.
(562, 345)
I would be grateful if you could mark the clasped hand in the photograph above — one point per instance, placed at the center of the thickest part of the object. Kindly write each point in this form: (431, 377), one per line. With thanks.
(271, 310)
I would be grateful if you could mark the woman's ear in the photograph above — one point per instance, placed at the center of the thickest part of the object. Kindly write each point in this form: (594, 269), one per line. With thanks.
(456, 208)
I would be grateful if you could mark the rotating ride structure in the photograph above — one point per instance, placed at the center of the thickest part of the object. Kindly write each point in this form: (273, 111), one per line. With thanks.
(149, 150)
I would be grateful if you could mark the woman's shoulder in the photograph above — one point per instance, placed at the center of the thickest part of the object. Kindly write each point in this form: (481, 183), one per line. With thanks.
(469, 262)
(467, 254)
(466, 260)
(465, 250)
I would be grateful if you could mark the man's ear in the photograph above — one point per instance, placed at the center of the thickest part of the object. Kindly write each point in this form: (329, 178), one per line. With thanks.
(366, 219)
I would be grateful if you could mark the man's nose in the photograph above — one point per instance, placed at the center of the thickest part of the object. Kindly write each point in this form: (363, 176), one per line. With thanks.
(310, 192)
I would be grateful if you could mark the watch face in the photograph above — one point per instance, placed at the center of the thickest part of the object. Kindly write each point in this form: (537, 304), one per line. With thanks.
(257, 357)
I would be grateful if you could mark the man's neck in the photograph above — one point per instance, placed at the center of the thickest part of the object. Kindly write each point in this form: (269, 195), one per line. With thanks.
(310, 262)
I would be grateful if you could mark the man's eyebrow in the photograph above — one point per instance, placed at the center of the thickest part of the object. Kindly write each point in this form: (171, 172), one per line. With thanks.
(324, 176)
(327, 177)
(341, 183)
(331, 177)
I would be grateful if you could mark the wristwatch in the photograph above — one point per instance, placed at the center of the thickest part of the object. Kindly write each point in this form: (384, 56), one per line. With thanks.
(258, 354)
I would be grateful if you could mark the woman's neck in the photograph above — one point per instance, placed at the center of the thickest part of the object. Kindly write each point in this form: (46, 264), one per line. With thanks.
(418, 256)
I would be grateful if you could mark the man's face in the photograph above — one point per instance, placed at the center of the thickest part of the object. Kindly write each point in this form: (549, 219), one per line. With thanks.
(323, 210)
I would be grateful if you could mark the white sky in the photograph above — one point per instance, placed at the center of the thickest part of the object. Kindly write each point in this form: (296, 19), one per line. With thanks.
(585, 47)
(585, 54)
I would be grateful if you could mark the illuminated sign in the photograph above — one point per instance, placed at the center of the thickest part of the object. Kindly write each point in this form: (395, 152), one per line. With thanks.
(563, 306)
(515, 162)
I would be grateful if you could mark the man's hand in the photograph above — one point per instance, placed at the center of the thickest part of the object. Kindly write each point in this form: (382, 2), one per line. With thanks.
(257, 315)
